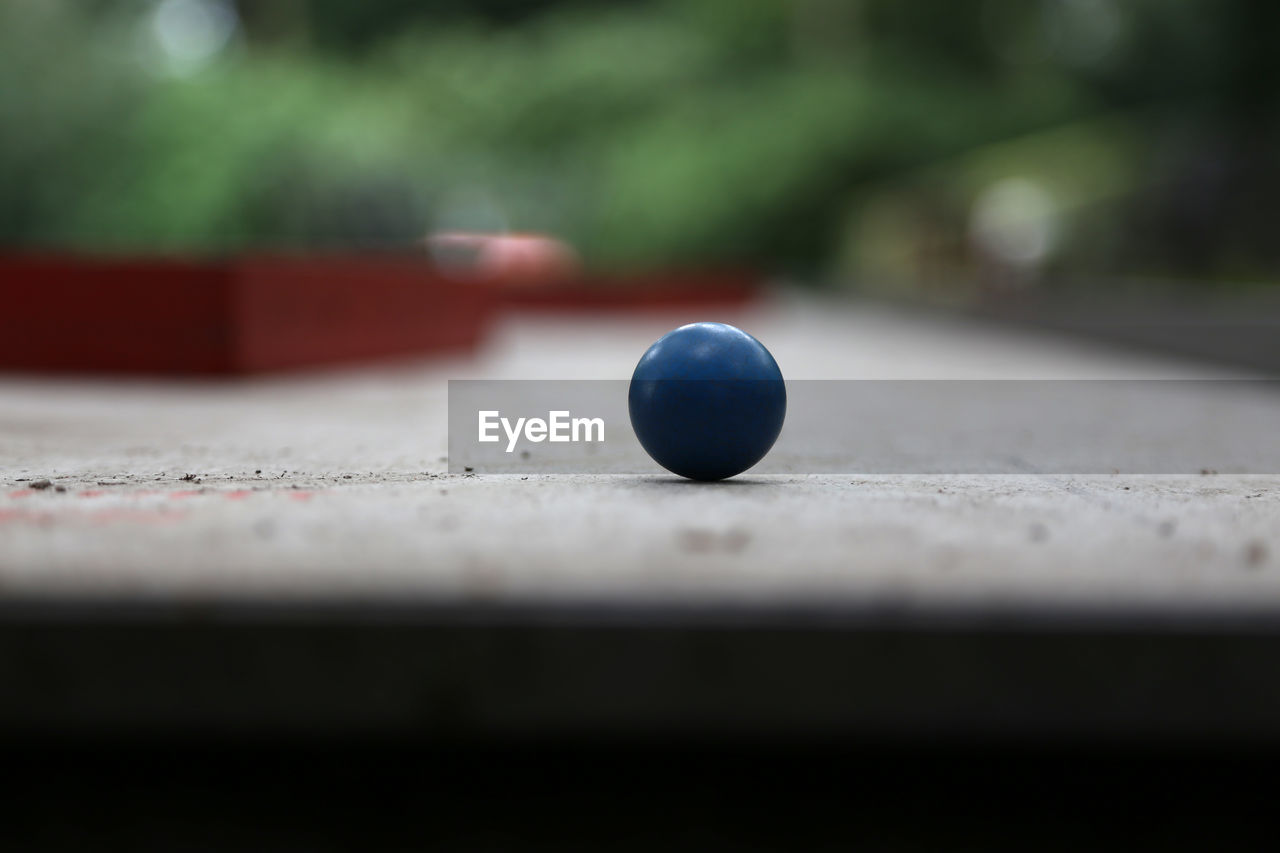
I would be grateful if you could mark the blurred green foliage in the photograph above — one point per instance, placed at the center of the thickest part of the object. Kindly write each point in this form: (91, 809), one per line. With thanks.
(659, 132)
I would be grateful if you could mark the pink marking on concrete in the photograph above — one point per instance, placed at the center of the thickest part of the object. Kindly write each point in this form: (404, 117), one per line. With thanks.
(138, 516)
(22, 493)
(102, 516)
(25, 515)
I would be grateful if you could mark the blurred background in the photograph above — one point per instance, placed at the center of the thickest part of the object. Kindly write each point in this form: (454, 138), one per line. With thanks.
(940, 149)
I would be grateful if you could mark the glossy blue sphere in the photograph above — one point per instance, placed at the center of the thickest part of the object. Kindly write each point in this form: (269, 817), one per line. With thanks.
(707, 401)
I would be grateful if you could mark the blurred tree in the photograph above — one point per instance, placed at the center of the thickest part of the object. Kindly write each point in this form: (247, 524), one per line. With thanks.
(346, 26)
(669, 130)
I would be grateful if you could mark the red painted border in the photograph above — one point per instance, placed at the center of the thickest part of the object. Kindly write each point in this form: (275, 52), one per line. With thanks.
(261, 313)
(244, 315)
(723, 288)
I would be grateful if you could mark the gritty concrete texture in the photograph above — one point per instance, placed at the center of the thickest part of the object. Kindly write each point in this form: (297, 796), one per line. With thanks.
(333, 485)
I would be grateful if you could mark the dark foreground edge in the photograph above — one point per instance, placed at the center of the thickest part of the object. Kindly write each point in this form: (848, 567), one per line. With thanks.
(410, 727)
(449, 674)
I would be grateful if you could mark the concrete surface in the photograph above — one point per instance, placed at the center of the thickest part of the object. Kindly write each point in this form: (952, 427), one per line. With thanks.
(334, 484)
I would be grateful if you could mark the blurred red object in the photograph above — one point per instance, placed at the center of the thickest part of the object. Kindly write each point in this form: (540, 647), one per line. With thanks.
(538, 271)
(235, 316)
(518, 260)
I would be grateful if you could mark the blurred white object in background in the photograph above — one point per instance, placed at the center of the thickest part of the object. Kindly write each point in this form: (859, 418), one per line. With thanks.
(191, 33)
(1014, 223)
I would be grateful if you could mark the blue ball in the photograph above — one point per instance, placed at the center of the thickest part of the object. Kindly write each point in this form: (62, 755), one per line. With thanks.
(707, 401)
